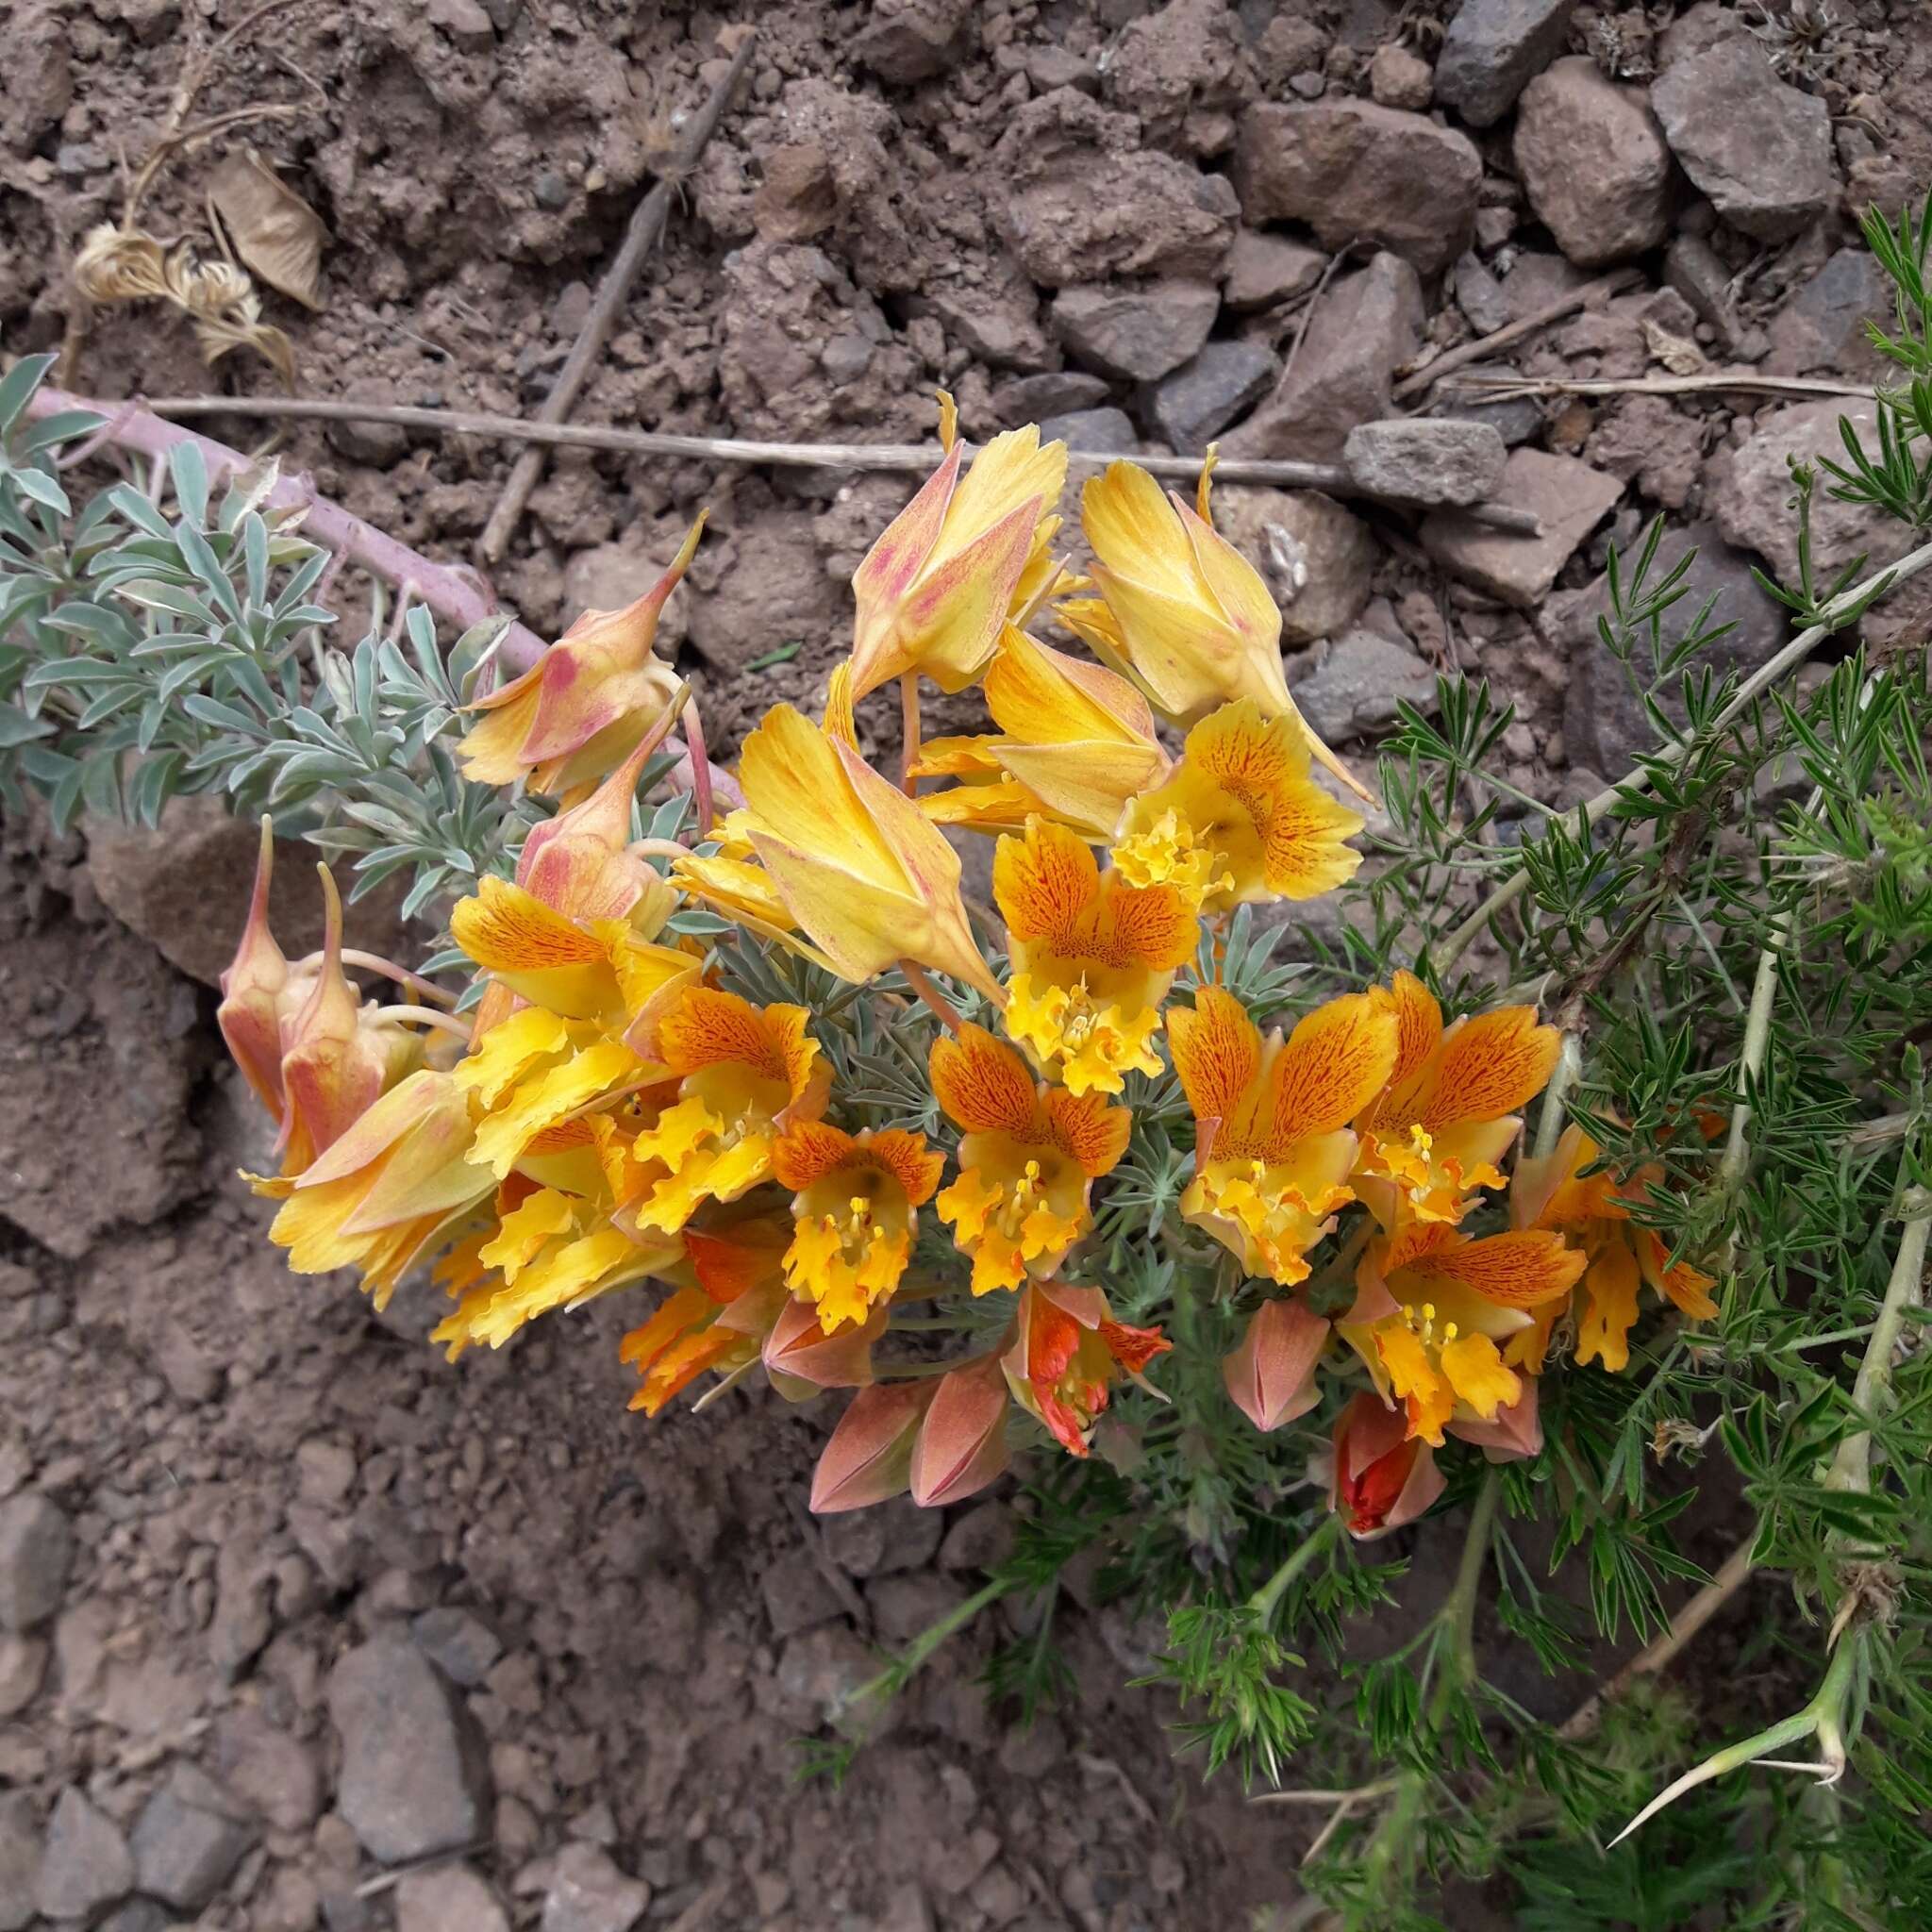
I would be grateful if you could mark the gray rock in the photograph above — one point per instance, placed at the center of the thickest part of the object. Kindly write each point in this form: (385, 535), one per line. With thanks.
(999, 324)
(1359, 680)
(1200, 399)
(797, 1596)
(381, 446)
(1568, 496)
(22, 1665)
(1594, 163)
(1359, 171)
(1365, 327)
(981, 1540)
(1696, 30)
(1263, 270)
(184, 1854)
(1822, 326)
(1493, 48)
(907, 40)
(1480, 296)
(1516, 420)
(903, 1607)
(1077, 200)
(137, 1915)
(854, 1540)
(460, 1644)
(19, 1860)
(1317, 557)
(1605, 724)
(822, 1672)
(1761, 150)
(1693, 269)
(1752, 493)
(36, 1550)
(912, 1534)
(413, 1778)
(1398, 78)
(465, 22)
(279, 1773)
(1418, 459)
(1098, 432)
(588, 1893)
(1058, 392)
(451, 1898)
(85, 1863)
(1140, 333)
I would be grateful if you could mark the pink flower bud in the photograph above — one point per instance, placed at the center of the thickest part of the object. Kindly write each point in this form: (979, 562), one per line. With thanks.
(1271, 1377)
(961, 1445)
(870, 1456)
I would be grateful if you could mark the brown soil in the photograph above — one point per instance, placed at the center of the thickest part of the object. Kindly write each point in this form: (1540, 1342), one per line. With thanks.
(259, 1472)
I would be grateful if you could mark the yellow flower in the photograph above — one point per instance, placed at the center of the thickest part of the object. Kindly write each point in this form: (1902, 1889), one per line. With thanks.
(962, 557)
(1075, 744)
(385, 1190)
(1449, 1113)
(1273, 1147)
(1027, 1162)
(586, 703)
(1432, 1306)
(1093, 958)
(551, 1250)
(744, 1074)
(854, 1215)
(852, 858)
(1241, 820)
(1180, 609)
(1593, 1211)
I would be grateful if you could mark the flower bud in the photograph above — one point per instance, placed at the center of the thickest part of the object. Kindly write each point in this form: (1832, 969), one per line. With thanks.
(1382, 1477)
(869, 1458)
(1271, 1377)
(961, 1446)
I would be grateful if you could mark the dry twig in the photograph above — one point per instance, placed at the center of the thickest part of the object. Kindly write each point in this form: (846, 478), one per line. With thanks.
(1485, 347)
(911, 456)
(646, 225)
(1735, 382)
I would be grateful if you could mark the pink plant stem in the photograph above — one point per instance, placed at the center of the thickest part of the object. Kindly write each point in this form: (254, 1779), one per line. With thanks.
(454, 592)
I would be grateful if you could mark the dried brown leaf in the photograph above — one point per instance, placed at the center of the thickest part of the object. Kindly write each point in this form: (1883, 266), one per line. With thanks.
(1678, 354)
(273, 230)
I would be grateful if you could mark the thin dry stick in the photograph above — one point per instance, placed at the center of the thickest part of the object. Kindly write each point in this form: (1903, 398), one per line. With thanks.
(911, 456)
(646, 225)
(1749, 692)
(452, 591)
(1735, 381)
(1485, 347)
(1658, 1654)
(1308, 315)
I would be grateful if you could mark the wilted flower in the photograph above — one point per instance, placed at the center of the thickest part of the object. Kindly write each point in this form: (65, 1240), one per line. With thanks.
(938, 584)
(1432, 1306)
(1381, 1477)
(855, 860)
(856, 1206)
(1093, 958)
(1449, 1112)
(1240, 820)
(1271, 1377)
(260, 990)
(385, 1189)
(1027, 1163)
(1273, 1149)
(1593, 1210)
(582, 708)
(1075, 742)
(1062, 1366)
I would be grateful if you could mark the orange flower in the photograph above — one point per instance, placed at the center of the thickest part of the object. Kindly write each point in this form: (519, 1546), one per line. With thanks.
(1273, 1149)
(682, 1339)
(854, 859)
(1593, 1212)
(1431, 1307)
(1240, 820)
(1027, 1163)
(744, 1073)
(1093, 958)
(855, 1211)
(1062, 1366)
(1075, 744)
(936, 589)
(1380, 1476)
(579, 710)
(1449, 1115)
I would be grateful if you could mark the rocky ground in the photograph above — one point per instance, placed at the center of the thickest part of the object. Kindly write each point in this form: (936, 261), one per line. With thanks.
(285, 1602)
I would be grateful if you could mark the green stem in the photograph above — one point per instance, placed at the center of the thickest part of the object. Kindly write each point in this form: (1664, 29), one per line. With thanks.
(1263, 1601)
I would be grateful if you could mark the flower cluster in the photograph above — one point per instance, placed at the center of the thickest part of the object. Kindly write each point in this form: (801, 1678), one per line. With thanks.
(604, 1111)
